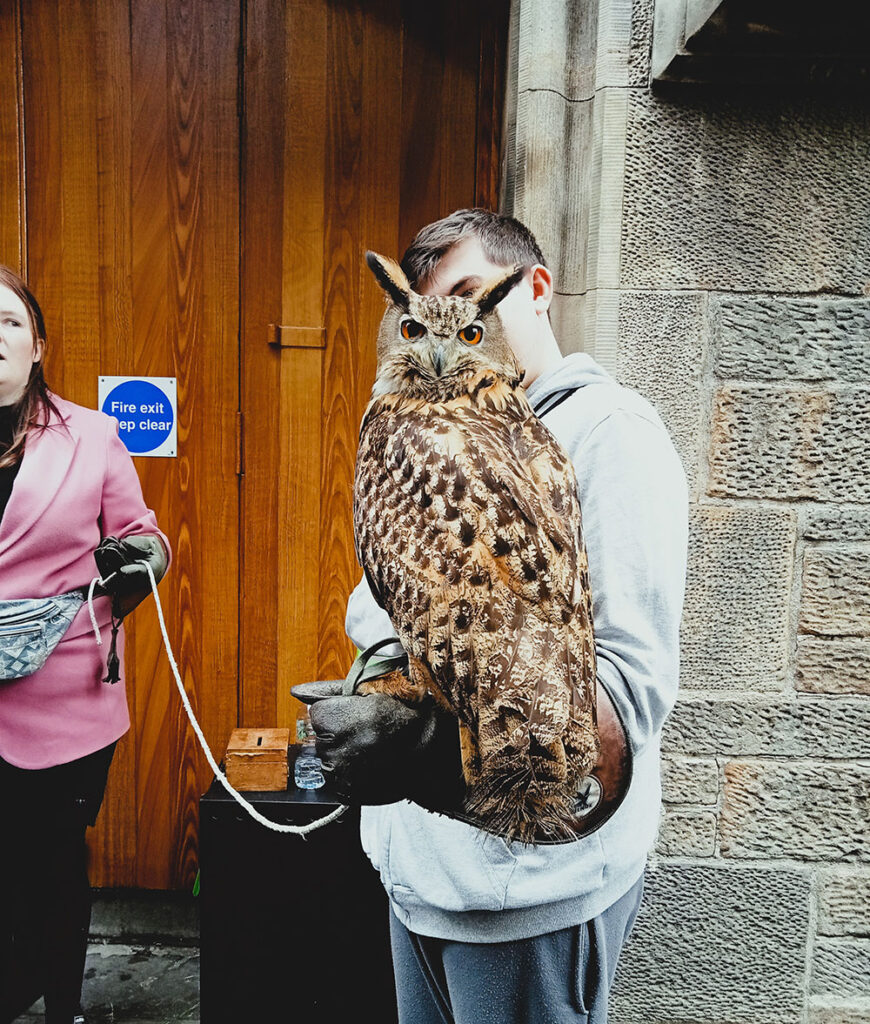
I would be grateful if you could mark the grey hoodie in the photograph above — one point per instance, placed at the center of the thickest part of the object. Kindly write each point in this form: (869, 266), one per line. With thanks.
(450, 880)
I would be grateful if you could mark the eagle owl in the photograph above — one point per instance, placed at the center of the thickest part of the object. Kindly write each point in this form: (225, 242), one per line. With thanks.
(467, 526)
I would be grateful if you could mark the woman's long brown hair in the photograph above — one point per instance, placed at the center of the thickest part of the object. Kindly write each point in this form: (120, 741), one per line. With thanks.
(36, 406)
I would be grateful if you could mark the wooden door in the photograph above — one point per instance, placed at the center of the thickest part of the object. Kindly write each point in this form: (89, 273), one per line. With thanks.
(363, 121)
(180, 176)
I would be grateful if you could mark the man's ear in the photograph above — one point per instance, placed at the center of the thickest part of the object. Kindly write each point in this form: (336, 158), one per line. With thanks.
(542, 287)
(493, 292)
(390, 277)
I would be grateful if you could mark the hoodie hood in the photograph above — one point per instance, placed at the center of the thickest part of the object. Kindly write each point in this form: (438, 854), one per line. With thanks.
(576, 370)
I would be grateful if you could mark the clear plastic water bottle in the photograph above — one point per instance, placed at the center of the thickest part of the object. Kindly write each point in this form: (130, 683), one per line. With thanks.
(307, 771)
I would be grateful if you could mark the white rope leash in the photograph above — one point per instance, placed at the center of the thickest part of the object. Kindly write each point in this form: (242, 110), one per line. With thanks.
(94, 622)
(298, 830)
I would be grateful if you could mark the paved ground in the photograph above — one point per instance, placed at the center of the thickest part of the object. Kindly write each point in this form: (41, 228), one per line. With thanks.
(135, 984)
(143, 962)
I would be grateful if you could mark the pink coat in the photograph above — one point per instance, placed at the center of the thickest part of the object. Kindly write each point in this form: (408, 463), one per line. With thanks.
(76, 484)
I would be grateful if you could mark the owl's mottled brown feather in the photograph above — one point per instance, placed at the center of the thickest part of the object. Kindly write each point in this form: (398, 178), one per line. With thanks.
(467, 524)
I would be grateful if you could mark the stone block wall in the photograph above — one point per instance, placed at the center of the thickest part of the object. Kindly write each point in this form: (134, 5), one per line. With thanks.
(712, 249)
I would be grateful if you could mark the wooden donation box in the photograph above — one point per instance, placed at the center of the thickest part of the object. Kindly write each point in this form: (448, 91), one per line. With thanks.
(291, 928)
(256, 759)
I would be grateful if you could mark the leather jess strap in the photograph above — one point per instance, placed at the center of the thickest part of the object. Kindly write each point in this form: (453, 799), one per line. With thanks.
(366, 666)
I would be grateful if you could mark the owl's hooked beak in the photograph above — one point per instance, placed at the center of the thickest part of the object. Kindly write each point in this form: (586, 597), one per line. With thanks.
(438, 359)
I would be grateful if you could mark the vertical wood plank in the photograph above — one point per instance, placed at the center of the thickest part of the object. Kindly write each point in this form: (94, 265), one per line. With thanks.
(301, 371)
(66, 114)
(202, 44)
(380, 188)
(495, 18)
(262, 290)
(113, 841)
(421, 144)
(153, 291)
(305, 100)
(112, 86)
(341, 383)
(300, 438)
(12, 218)
(213, 485)
(380, 178)
(185, 116)
(79, 226)
(41, 42)
(457, 131)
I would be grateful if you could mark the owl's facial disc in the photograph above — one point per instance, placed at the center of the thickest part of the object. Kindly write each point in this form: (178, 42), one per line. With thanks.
(437, 354)
(440, 329)
(451, 355)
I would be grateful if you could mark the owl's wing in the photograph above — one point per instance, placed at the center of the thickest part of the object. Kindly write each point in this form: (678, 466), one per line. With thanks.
(524, 485)
(369, 492)
(461, 506)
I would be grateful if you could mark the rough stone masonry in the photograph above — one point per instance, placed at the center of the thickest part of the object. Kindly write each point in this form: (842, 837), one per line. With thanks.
(712, 247)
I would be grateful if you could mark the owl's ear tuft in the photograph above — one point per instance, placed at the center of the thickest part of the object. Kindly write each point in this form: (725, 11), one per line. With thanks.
(493, 292)
(390, 277)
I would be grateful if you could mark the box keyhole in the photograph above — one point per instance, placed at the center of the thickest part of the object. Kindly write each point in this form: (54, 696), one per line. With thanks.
(259, 741)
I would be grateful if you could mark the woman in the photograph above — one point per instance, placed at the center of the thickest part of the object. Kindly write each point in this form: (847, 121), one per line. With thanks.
(67, 484)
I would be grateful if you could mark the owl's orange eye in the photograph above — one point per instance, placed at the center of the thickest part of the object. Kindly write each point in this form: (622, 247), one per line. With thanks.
(471, 334)
(411, 330)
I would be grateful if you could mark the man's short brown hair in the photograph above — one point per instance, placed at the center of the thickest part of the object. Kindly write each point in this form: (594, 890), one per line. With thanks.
(505, 241)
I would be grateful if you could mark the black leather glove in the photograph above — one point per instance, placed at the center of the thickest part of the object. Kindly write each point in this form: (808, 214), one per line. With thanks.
(122, 572)
(379, 749)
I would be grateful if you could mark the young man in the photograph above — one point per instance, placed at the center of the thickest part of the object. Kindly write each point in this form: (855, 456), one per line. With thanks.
(484, 929)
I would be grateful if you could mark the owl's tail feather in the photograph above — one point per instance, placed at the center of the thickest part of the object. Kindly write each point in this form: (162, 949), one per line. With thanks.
(508, 799)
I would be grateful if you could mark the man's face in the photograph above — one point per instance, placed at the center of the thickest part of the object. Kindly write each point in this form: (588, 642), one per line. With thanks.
(465, 267)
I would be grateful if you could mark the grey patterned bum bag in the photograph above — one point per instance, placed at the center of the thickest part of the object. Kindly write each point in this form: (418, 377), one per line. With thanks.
(31, 628)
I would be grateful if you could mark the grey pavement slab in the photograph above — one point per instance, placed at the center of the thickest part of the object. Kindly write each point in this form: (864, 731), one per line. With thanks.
(137, 984)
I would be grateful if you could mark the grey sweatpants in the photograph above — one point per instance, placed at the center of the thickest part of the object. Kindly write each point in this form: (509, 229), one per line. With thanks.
(549, 979)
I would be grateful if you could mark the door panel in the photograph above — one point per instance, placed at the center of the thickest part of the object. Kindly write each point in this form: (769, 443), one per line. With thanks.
(132, 167)
(185, 209)
(400, 130)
